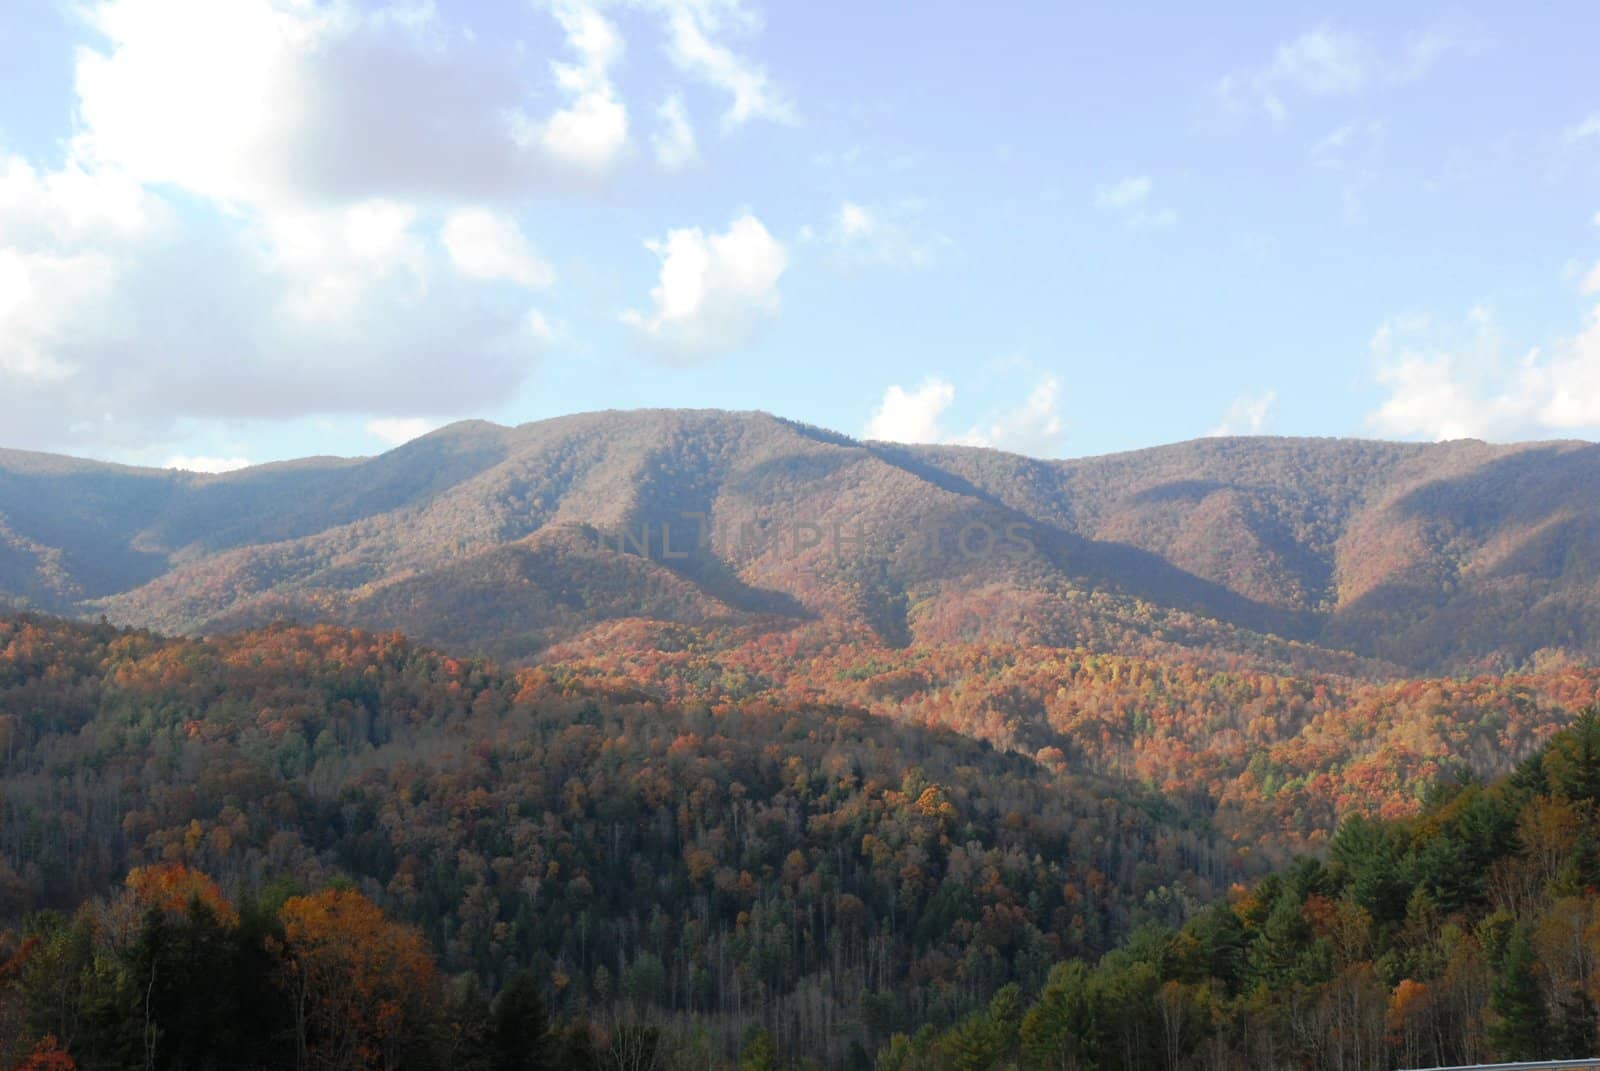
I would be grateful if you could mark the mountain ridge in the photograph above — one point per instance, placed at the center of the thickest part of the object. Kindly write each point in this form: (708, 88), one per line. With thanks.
(1406, 557)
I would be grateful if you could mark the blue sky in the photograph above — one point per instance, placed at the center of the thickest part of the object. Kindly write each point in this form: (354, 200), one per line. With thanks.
(243, 230)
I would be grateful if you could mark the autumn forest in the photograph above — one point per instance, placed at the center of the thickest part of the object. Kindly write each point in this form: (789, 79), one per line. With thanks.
(1265, 754)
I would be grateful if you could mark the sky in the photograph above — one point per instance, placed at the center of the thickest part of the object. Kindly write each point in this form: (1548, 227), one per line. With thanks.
(237, 231)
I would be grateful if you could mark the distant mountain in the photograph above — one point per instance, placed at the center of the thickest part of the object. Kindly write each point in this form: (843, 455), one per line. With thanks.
(1356, 556)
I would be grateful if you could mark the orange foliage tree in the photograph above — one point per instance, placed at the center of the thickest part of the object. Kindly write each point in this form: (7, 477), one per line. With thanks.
(362, 986)
(47, 1055)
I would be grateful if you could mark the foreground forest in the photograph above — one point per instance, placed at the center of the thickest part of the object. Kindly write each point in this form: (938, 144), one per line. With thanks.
(681, 852)
(821, 871)
(1466, 934)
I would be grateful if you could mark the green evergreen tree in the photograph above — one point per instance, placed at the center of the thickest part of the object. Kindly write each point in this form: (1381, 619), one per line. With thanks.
(1522, 1032)
(520, 1026)
(760, 1054)
(1575, 1029)
(1572, 760)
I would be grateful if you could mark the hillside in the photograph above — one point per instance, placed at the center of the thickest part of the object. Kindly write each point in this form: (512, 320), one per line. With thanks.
(812, 867)
(1465, 935)
(1355, 557)
(835, 867)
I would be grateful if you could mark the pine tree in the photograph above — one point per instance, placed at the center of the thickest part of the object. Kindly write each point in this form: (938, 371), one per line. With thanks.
(1521, 1033)
(520, 1025)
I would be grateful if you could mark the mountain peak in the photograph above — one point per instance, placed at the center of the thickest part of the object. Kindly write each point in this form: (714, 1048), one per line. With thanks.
(1439, 556)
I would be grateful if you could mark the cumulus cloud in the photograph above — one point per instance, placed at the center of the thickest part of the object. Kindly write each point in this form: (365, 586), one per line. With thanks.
(1247, 414)
(912, 416)
(892, 235)
(488, 246)
(263, 102)
(715, 291)
(191, 463)
(674, 139)
(1033, 426)
(399, 430)
(1452, 382)
(1331, 61)
(1129, 199)
(39, 295)
(269, 209)
(110, 340)
(590, 133)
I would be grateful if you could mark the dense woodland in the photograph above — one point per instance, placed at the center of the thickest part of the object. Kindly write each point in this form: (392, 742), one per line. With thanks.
(820, 872)
(684, 853)
(1466, 934)
(1273, 758)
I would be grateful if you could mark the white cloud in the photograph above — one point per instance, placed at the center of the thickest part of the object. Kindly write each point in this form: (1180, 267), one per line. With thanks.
(487, 246)
(1329, 61)
(674, 141)
(891, 235)
(1583, 130)
(1452, 36)
(110, 340)
(1591, 282)
(912, 416)
(592, 132)
(196, 94)
(70, 207)
(714, 292)
(273, 209)
(538, 326)
(61, 236)
(1034, 426)
(399, 430)
(333, 261)
(301, 100)
(190, 463)
(242, 225)
(264, 102)
(40, 293)
(1124, 194)
(1247, 414)
(1129, 199)
(1460, 382)
(693, 29)
(1336, 147)
(1322, 62)
(855, 222)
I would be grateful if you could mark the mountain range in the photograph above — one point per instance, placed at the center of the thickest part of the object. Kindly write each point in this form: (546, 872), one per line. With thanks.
(1353, 556)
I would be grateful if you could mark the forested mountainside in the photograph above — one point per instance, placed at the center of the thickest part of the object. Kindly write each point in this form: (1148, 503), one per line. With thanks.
(1468, 933)
(385, 837)
(1348, 556)
(706, 733)
(826, 872)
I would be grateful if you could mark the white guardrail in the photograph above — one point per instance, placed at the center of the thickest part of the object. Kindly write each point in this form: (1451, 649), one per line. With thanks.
(1590, 1063)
